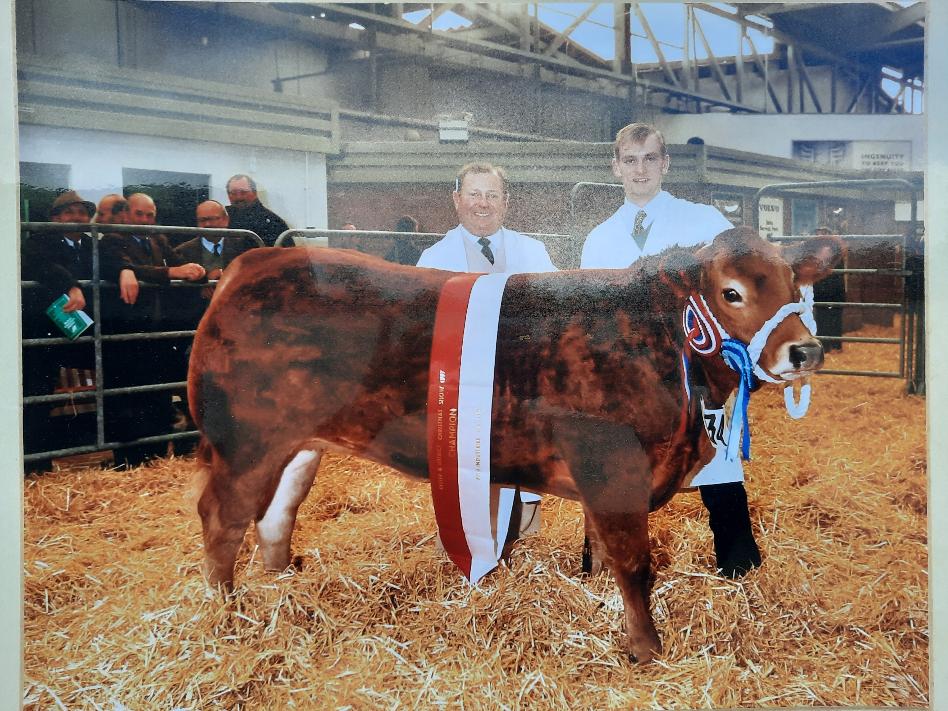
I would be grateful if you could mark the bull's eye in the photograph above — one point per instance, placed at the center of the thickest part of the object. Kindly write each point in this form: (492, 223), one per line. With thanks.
(731, 296)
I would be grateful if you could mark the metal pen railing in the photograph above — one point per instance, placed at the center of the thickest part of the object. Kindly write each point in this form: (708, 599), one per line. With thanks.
(97, 338)
(911, 362)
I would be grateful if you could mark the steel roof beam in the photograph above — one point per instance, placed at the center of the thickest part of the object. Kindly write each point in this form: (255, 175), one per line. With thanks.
(813, 49)
(762, 69)
(805, 78)
(896, 22)
(564, 35)
(715, 67)
(444, 46)
(669, 73)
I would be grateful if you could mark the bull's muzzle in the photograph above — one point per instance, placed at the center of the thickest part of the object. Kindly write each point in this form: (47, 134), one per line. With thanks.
(806, 356)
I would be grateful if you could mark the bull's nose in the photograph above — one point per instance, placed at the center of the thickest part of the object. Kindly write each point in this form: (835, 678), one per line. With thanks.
(809, 355)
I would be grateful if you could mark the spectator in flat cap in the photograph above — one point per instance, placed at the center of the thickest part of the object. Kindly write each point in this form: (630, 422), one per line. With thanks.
(248, 213)
(57, 260)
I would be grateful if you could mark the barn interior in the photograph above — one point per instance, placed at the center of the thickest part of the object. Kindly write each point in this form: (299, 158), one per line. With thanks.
(786, 116)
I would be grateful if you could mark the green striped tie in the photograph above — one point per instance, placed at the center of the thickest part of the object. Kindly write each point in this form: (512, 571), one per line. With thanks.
(639, 234)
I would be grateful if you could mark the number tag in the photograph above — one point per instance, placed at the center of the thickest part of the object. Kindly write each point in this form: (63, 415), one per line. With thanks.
(715, 425)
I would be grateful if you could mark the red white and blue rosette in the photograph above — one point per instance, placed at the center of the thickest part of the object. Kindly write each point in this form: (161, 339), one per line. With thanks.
(701, 328)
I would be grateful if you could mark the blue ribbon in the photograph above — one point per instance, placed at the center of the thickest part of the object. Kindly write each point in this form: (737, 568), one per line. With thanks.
(737, 358)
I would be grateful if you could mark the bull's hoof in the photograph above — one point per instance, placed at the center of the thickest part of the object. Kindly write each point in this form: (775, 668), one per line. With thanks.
(643, 648)
(224, 588)
(297, 563)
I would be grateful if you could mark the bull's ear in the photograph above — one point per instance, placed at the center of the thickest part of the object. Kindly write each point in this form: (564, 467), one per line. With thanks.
(681, 271)
(814, 259)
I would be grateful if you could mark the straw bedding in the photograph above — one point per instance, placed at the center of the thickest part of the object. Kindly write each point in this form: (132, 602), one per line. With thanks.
(118, 615)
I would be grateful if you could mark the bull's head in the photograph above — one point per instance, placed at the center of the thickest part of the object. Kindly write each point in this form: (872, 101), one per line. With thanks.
(751, 303)
(757, 291)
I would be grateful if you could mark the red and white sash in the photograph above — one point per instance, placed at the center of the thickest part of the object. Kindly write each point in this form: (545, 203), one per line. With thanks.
(460, 396)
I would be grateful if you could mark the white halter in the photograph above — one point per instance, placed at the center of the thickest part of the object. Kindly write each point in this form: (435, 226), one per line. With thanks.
(803, 307)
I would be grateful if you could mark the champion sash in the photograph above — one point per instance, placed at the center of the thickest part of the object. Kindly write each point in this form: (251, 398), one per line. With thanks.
(460, 396)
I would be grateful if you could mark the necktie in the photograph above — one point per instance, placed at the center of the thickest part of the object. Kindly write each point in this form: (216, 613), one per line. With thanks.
(639, 221)
(639, 233)
(485, 249)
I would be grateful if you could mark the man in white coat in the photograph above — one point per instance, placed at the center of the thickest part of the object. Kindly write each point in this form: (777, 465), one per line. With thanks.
(648, 221)
(480, 243)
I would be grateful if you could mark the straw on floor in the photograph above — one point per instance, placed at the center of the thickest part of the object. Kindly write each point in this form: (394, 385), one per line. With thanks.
(118, 615)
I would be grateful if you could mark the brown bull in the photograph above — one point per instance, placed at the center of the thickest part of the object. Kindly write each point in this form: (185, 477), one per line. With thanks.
(308, 350)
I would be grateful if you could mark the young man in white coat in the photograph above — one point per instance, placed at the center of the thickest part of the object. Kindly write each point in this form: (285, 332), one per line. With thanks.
(648, 221)
(480, 243)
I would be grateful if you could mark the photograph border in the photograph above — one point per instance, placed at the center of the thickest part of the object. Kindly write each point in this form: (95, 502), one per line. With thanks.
(11, 514)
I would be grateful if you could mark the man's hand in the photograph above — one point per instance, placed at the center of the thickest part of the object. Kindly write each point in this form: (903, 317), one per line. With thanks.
(188, 272)
(215, 274)
(76, 301)
(128, 286)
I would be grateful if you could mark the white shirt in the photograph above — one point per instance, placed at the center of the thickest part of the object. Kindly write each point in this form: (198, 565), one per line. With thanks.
(669, 221)
(515, 253)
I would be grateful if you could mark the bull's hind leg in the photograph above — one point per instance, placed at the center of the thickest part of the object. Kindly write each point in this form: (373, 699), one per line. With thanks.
(231, 499)
(225, 515)
(275, 528)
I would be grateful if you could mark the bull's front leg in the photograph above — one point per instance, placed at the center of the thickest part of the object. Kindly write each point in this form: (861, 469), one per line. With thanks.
(612, 475)
(624, 538)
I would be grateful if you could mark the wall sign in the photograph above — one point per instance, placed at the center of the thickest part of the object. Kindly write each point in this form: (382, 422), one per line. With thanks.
(770, 217)
(881, 155)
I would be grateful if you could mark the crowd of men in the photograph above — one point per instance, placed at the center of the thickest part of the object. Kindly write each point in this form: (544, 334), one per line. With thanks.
(59, 261)
(649, 220)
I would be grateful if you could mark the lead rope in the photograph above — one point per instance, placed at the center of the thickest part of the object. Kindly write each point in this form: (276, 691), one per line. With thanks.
(703, 332)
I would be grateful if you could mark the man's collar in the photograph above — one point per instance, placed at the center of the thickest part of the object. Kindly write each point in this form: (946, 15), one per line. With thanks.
(208, 245)
(494, 238)
(658, 202)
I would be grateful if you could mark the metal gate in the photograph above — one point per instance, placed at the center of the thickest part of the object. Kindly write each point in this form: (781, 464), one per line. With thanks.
(911, 339)
(99, 393)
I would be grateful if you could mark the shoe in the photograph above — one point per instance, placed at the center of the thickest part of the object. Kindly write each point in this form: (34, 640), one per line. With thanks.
(735, 549)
